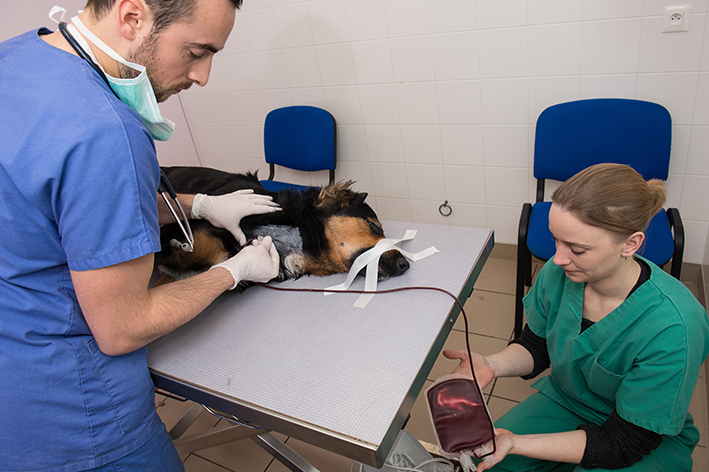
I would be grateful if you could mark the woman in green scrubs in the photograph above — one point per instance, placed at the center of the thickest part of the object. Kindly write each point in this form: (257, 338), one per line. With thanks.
(625, 342)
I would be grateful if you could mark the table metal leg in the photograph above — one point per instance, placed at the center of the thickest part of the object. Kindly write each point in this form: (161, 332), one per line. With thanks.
(283, 453)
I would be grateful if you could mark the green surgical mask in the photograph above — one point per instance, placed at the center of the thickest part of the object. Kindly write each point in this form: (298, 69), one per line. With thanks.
(137, 92)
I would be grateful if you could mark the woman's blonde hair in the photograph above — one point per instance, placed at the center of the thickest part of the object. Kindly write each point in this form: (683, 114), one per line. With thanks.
(611, 196)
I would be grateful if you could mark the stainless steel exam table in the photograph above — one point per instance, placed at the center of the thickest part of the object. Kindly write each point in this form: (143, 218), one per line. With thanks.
(315, 367)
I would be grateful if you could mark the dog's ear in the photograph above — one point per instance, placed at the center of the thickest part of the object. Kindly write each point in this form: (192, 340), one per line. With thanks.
(360, 197)
(337, 196)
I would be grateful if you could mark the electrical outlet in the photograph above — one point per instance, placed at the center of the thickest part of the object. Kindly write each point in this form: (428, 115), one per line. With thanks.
(675, 19)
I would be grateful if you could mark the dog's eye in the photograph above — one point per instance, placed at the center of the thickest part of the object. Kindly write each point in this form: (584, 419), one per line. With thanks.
(376, 228)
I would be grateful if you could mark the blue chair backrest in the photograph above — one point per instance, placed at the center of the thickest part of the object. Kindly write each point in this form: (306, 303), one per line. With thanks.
(301, 138)
(575, 135)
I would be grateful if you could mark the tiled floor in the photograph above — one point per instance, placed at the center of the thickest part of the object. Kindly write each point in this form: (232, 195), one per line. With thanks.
(490, 311)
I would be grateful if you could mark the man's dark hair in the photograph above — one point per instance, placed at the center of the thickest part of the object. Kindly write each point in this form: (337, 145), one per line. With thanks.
(165, 12)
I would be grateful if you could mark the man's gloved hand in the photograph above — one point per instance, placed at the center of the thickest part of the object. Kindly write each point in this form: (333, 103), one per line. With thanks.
(257, 262)
(226, 211)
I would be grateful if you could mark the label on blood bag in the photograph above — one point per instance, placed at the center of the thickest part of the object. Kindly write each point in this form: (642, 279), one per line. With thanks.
(459, 415)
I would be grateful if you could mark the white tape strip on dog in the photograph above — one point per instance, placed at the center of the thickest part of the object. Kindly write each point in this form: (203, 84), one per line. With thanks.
(370, 259)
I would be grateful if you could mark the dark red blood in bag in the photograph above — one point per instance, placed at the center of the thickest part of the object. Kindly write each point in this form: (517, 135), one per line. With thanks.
(459, 415)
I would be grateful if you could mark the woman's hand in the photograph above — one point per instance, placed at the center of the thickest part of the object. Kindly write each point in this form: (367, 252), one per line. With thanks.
(504, 442)
(484, 372)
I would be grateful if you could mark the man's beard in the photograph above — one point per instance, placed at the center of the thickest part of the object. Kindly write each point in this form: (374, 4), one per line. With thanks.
(146, 55)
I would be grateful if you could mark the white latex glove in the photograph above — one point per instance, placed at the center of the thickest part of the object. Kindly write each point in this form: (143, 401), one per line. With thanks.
(226, 211)
(256, 263)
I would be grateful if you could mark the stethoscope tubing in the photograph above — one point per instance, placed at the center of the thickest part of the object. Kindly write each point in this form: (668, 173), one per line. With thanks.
(164, 187)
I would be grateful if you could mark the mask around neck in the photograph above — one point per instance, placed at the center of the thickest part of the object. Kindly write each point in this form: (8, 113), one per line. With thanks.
(136, 92)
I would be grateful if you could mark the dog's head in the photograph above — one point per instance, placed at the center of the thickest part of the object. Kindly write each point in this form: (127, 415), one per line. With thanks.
(351, 228)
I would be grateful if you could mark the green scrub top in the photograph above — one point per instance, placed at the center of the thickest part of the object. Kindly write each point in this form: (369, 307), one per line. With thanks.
(642, 359)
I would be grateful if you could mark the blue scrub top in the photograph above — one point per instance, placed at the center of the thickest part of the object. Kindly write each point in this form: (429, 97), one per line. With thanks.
(78, 180)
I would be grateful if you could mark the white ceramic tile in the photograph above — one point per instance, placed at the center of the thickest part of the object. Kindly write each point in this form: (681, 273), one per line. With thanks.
(705, 48)
(417, 103)
(610, 47)
(605, 9)
(343, 104)
(210, 141)
(501, 13)
(242, 72)
(358, 172)
(680, 149)
(452, 15)
(224, 108)
(255, 5)
(506, 186)
(302, 67)
(199, 108)
(455, 55)
(234, 141)
(328, 21)
(426, 212)
(220, 163)
(554, 11)
(462, 144)
(336, 64)
(555, 49)
(270, 69)
(670, 52)
(254, 138)
(273, 99)
(351, 144)
(503, 53)
(506, 146)
(238, 42)
(675, 91)
(656, 7)
(426, 182)
(472, 216)
(504, 221)
(701, 109)
(284, 2)
(459, 102)
(407, 17)
(608, 86)
(396, 209)
(694, 244)
(372, 61)
(293, 25)
(239, 166)
(390, 180)
(261, 29)
(674, 185)
(504, 101)
(698, 157)
(384, 143)
(309, 96)
(465, 184)
(694, 198)
(218, 80)
(547, 91)
(412, 59)
(379, 104)
(422, 144)
(366, 19)
(251, 108)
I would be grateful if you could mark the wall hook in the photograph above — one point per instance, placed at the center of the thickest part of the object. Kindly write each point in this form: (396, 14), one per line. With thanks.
(445, 209)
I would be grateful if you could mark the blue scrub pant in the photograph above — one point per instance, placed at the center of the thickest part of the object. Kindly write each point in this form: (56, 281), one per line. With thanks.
(539, 414)
(157, 455)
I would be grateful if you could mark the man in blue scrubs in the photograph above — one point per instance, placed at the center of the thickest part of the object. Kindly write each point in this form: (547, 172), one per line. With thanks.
(78, 204)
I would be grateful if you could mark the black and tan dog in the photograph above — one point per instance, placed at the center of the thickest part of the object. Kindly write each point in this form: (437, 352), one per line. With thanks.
(320, 231)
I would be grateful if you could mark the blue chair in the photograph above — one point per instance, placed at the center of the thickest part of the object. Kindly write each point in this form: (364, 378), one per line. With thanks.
(300, 138)
(574, 135)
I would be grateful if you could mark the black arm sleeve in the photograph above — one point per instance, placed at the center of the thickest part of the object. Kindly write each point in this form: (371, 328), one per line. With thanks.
(537, 347)
(617, 444)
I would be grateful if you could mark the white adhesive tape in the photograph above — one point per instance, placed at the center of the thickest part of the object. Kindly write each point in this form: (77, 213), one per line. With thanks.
(370, 259)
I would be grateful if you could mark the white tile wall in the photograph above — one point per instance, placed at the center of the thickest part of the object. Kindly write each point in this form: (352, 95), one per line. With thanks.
(437, 99)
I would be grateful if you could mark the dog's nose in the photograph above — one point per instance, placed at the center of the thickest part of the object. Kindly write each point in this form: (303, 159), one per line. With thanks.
(402, 263)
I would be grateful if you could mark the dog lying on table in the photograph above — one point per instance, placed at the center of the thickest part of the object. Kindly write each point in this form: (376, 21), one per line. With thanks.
(320, 231)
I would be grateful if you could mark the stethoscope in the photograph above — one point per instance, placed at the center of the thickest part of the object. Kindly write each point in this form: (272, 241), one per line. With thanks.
(164, 188)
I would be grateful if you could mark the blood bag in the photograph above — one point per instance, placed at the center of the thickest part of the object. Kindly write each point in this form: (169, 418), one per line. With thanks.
(460, 417)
